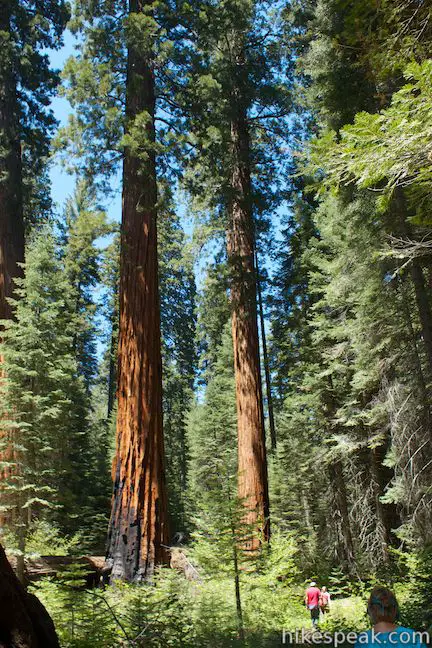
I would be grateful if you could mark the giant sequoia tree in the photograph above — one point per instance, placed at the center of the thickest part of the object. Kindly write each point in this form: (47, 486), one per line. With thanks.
(138, 527)
(111, 84)
(238, 90)
(252, 462)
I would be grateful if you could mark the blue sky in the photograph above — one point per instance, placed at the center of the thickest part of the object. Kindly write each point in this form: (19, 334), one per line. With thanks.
(63, 183)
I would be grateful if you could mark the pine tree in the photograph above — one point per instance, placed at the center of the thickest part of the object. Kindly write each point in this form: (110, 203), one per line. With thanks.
(46, 396)
(26, 85)
(218, 515)
(179, 357)
(364, 346)
(213, 314)
(399, 210)
(82, 256)
(212, 429)
(84, 224)
(110, 270)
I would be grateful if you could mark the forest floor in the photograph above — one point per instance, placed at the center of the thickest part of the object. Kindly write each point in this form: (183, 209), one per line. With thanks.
(182, 614)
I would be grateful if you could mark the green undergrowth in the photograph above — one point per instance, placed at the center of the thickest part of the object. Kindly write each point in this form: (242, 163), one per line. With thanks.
(175, 612)
(170, 612)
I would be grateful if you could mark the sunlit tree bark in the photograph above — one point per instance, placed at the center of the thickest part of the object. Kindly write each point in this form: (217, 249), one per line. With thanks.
(252, 460)
(138, 527)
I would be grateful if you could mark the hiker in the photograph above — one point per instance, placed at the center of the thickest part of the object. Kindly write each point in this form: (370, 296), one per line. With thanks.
(324, 601)
(383, 611)
(312, 598)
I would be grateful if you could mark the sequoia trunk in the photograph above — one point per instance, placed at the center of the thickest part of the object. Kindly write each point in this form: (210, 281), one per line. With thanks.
(138, 526)
(11, 212)
(11, 209)
(252, 460)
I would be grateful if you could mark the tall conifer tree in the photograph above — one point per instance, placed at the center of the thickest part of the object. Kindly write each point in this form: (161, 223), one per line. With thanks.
(26, 84)
(112, 84)
(138, 527)
(237, 96)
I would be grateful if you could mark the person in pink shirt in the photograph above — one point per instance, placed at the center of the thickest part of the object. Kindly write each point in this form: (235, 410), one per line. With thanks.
(312, 600)
(324, 601)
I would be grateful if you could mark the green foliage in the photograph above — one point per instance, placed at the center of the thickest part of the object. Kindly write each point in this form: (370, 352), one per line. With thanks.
(173, 611)
(339, 585)
(176, 612)
(82, 618)
(415, 592)
(213, 457)
(84, 225)
(338, 81)
(233, 64)
(43, 390)
(28, 83)
(179, 356)
(56, 470)
(45, 539)
(347, 615)
(367, 363)
(387, 149)
(348, 342)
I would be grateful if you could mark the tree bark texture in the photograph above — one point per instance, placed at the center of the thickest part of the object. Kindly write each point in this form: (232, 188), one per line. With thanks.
(11, 207)
(24, 622)
(345, 545)
(252, 460)
(270, 409)
(138, 527)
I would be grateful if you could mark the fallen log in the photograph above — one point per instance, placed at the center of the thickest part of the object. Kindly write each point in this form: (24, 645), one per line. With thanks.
(93, 568)
(24, 622)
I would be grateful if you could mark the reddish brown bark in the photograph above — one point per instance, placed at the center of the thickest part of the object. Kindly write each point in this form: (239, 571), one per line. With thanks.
(24, 622)
(252, 459)
(138, 527)
(11, 211)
